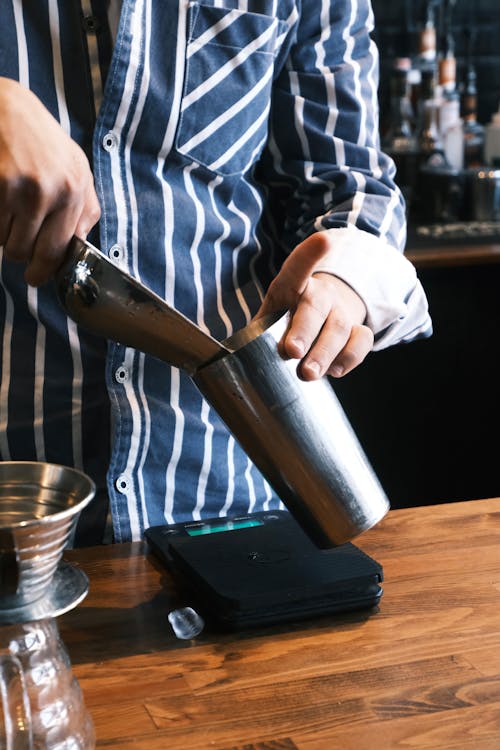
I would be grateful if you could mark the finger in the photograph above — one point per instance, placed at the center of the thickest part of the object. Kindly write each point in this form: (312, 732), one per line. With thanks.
(332, 339)
(54, 236)
(359, 345)
(5, 207)
(89, 216)
(295, 273)
(312, 314)
(5, 211)
(20, 242)
(29, 204)
(5, 225)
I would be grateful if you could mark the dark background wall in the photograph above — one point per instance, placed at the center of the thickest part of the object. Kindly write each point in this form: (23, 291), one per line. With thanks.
(428, 413)
(474, 22)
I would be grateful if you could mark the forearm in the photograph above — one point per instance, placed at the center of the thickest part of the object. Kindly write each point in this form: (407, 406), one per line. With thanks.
(328, 172)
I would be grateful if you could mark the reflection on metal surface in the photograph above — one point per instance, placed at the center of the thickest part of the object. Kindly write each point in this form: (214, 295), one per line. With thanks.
(104, 299)
(68, 587)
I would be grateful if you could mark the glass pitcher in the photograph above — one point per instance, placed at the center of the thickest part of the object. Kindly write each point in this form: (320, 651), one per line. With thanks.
(42, 704)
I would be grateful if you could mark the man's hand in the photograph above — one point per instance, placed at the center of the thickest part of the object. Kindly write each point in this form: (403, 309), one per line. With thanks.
(326, 330)
(46, 186)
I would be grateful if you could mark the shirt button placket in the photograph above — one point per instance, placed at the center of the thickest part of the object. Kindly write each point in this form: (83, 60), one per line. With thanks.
(123, 483)
(110, 141)
(90, 24)
(122, 374)
(116, 253)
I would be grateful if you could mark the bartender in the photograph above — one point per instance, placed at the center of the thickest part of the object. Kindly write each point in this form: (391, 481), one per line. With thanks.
(227, 156)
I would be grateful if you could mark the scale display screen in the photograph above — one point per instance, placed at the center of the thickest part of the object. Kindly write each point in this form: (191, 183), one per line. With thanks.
(208, 528)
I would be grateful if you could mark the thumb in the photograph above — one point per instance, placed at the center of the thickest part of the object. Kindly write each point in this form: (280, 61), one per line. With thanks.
(290, 283)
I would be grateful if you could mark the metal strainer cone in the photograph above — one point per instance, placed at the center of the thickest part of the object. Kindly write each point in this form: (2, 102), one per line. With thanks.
(39, 507)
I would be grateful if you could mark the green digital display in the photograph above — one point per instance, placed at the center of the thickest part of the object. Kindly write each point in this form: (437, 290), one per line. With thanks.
(206, 528)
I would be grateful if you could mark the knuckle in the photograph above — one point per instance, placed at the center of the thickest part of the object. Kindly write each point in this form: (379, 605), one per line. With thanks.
(17, 251)
(4, 186)
(94, 212)
(368, 336)
(92, 208)
(358, 347)
(341, 325)
(70, 191)
(322, 354)
(315, 304)
(30, 189)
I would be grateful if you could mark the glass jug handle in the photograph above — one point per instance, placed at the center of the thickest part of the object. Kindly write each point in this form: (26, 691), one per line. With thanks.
(15, 705)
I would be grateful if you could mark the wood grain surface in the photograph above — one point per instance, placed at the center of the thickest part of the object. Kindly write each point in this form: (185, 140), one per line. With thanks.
(420, 671)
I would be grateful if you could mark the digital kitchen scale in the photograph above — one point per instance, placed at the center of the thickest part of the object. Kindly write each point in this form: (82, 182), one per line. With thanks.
(262, 568)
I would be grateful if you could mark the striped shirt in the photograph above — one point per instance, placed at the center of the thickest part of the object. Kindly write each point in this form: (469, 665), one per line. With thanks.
(220, 133)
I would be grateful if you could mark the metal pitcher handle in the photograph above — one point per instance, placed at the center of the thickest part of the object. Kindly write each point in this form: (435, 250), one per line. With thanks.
(15, 705)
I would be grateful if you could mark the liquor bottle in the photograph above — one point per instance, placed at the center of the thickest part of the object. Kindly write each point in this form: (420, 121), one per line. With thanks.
(492, 141)
(429, 143)
(428, 37)
(447, 63)
(450, 122)
(399, 135)
(399, 139)
(474, 134)
(432, 166)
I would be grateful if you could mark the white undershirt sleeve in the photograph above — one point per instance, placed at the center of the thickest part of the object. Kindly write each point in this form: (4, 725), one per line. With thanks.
(386, 281)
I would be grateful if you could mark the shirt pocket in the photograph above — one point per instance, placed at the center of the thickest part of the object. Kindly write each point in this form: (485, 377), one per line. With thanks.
(227, 87)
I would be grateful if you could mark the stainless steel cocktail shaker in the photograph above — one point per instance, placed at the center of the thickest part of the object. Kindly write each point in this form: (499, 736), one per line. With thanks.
(295, 432)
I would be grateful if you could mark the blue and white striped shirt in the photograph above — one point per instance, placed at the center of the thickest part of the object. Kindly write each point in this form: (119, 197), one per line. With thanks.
(220, 134)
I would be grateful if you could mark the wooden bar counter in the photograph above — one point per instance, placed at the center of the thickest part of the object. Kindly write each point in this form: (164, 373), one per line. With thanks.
(454, 255)
(420, 671)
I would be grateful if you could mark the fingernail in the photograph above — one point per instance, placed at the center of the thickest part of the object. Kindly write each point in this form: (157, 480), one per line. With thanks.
(336, 371)
(313, 367)
(299, 346)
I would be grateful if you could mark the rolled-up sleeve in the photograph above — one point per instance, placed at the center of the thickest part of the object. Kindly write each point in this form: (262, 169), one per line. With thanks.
(325, 161)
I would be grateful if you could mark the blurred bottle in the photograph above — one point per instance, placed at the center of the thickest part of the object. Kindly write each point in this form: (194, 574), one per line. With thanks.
(426, 103)
(399, 139)
(449, 120)
(492, 141)
(438, 193)
(447, 63)
(429, 143)
(399, 135)
(427, 47)
(473, 130)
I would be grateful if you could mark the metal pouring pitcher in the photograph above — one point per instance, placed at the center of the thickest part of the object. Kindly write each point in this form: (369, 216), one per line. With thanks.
(40, 699)
(295, 432)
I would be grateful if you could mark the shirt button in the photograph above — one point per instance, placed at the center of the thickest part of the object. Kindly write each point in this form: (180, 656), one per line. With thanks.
(116, 252)
(110, 141)
(90, 24)
(122, 374)
(123, 483)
